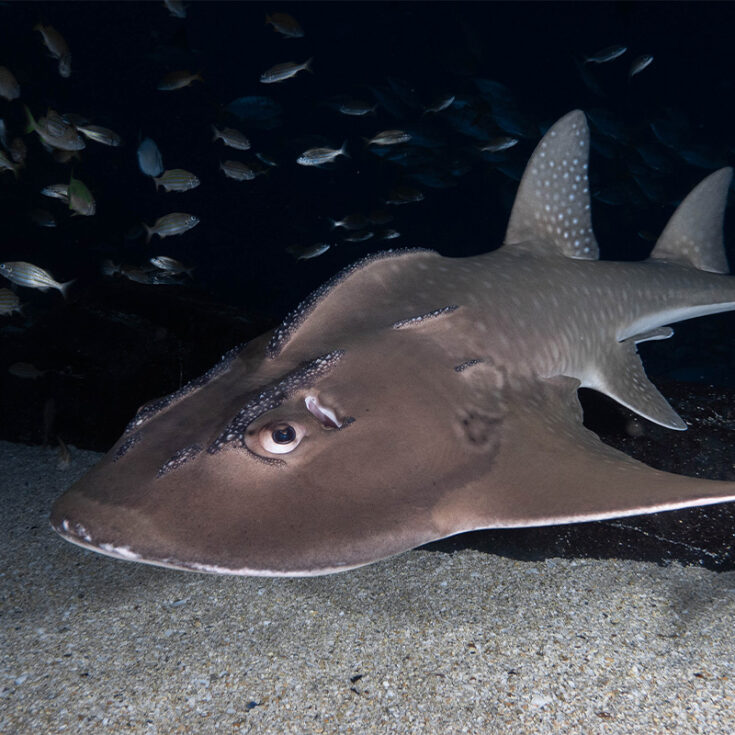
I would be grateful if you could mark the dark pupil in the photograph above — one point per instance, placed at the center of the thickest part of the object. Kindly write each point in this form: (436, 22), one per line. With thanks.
(284, 435)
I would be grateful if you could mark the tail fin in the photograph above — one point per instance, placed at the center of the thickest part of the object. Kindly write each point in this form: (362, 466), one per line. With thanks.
(148, 232)
(30, 122)
(64, 286)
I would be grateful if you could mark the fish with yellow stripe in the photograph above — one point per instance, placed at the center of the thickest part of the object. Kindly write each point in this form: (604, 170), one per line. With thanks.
(9, 302)
(27, 274)
(175, 223)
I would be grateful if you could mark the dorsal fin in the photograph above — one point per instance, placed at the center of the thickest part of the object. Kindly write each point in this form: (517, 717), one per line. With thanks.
(552, 207)
(693, 235)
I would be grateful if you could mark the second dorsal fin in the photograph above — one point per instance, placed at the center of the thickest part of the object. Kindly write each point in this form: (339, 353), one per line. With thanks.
(693, 235)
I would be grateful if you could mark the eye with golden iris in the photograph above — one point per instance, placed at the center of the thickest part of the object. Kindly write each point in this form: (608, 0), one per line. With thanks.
(280, 438)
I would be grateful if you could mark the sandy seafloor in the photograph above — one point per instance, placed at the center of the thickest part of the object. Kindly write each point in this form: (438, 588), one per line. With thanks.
(424, 643)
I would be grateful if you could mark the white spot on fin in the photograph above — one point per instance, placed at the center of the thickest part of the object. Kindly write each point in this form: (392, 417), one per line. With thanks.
(552, 206)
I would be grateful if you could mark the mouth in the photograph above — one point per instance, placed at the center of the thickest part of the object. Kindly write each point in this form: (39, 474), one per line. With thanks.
(76, 533)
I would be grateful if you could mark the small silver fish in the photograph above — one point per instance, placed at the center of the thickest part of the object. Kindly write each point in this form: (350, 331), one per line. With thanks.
(357, 108)
(26, 370)
(100, 135)
(42, 218)
(285, 24)
(359, 236)
(389, 234)
(55, 131)
(639, 64)
(17, 150)
(390, 137)
(149, 158)
(232, 138)
(175, 8)
(404, 195)
(9, 87)
(175, 223)
(441, 103)
(501, 143)
(57, 191)
(319, 156)
(178, 80)
(308, 251)
(54, 41)
(80, 198)
(176, 179)
(281, 72)
(240, 171)
(9, 302)
(350, 222)
(7, 165)
(607, 54)
(65, 66)
(171, 265)
(267, 160)
(27, 274)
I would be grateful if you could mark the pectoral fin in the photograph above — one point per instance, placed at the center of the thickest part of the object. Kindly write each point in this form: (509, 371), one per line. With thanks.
(551, 470)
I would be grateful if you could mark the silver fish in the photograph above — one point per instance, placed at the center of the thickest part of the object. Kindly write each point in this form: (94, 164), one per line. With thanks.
(178, 80)
(80, 198)
(175, 223)
(57, 191)
(501, 143)
(350, 222)
(54, 41)
(607, 54)
(404, 195)
(309, 251)
(176, 179)
(171, 265)
(357, 108)
(100, 135)
(31, 276)
(285, 24)
(639, 64)
(232, 138)
(55, 131)
(240, 171)
(441, 103)
(281, 72)
(26, 370)
(175, 8)
(7, 165)
(320, 156)
(65, 66)
(9, 87)
(390, 137)
(9, 302)
(359, 236)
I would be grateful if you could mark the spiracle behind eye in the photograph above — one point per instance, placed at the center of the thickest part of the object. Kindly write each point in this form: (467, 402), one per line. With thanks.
(280, 438)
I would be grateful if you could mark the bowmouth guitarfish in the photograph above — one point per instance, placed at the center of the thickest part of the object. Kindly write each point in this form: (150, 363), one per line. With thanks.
(414, 396)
